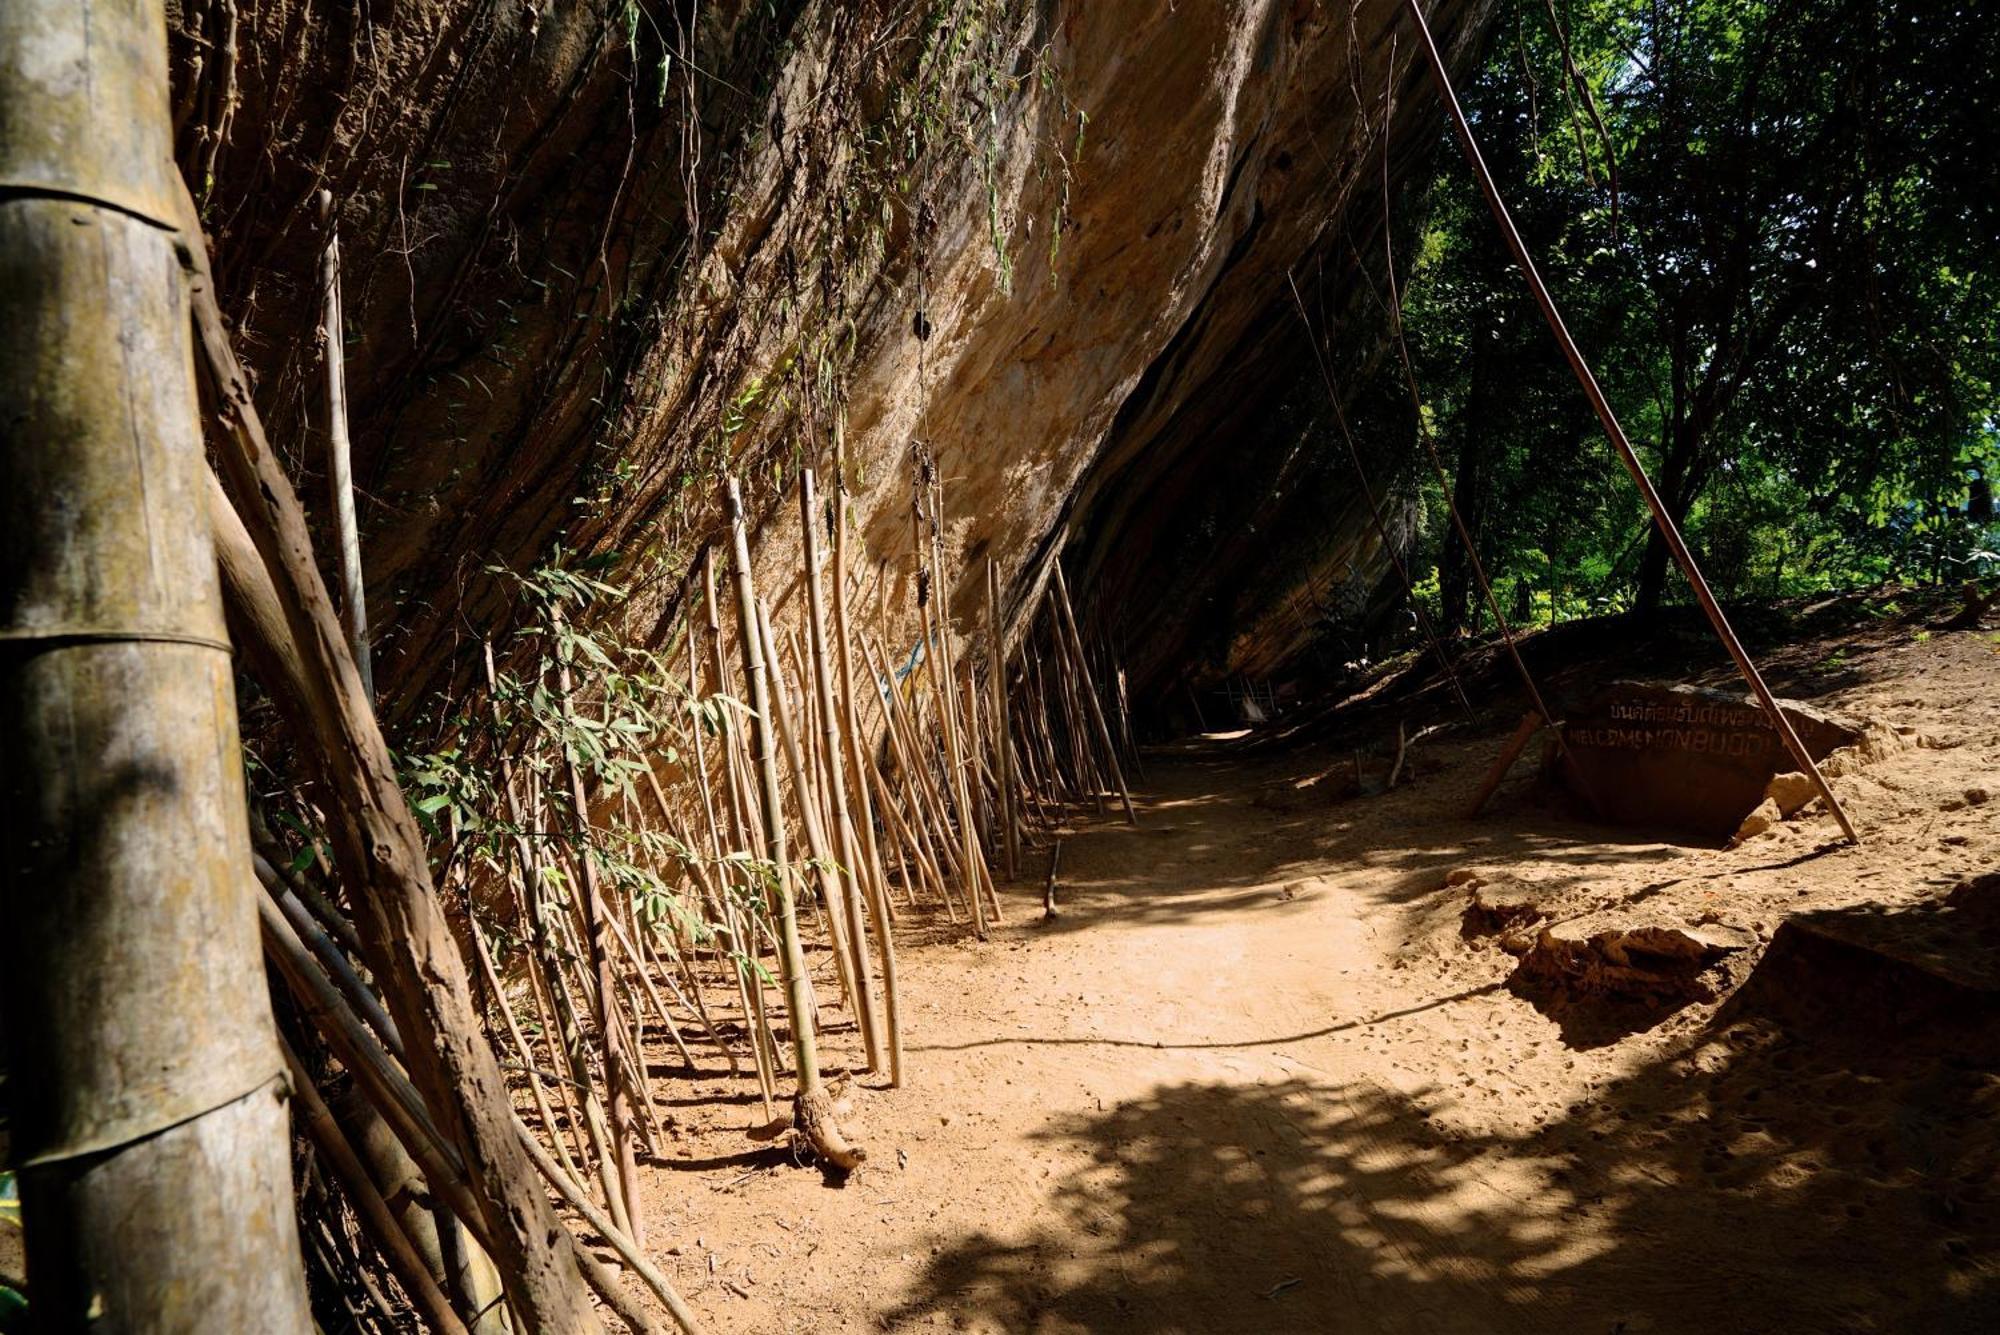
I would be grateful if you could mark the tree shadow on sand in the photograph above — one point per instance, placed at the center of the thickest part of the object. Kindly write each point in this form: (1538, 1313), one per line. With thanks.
(1753, 1183)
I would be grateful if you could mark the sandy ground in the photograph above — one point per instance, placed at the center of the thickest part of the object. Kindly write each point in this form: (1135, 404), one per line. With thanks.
(1253, 1078)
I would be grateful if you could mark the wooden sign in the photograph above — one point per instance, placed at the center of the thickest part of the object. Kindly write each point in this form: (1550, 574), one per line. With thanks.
(1683, 757)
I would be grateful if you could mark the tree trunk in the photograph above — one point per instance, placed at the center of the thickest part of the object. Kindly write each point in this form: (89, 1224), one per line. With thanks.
(149, 1121)
(1677, 495)
(1457, 610)
(1652, 575)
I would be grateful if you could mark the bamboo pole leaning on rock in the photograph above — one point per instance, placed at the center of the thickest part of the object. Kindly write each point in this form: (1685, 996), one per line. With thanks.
(978, 806)
(544, 965)
(377, 1220)
(536, 1078)
(956, 745)
(552, 1012)
(918, 865)
(339, 454)
(861, 799)
(390, 1093)
(812, 1109)
(620, 1095)
(860, 861)
(843, 919)
(922, 800)
(379, 852)
(376, 1073)
(1089, 690)
(1064, 787)
(148, 1122)
(1003, 726)
(934, 619)
(745, 826)
(1117, 670)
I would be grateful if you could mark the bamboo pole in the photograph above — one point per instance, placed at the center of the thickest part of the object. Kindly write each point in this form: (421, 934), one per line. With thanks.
(906, 832)
(631, 949)
(562, 956)
(390, 1093)
(1003, 728)
(379, 850)
(583, 1116)
(1043, 719)
(386, 1086)
(521, 1048)
(921, 796)
(1067, 740)
(620, 1093)
(628, 1251)
(336, 965)
(376, 1217)
(861, 798)
(844, 918)
(739, 815)
(541, 994)
(923, 765)
(747, 835)
(552, 1010)
(749, 839)
(1090, 693)
(975, 742)
(728, 919)
(1517, 742)
(859, 856)
(1125, 714)
(919, 856)
(146, 1082)
(977, 779)
(938, 663)
(339, 455)
(812, 1110)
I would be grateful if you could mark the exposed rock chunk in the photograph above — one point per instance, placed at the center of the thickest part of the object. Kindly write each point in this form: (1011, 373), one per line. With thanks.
(1792, 792)
(1504, 904)
(1645, 964)
(1762, 820)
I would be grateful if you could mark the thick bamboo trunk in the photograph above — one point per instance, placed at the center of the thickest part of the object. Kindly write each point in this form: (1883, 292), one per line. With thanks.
(148, 1115)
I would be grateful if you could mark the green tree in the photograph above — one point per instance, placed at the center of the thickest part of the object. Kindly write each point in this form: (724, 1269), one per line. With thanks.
(1789, 293)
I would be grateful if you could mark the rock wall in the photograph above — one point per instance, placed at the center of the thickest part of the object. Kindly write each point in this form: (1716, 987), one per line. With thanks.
(599, 253)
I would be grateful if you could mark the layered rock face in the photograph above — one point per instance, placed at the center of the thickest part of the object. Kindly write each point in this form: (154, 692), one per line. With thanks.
(598, 254)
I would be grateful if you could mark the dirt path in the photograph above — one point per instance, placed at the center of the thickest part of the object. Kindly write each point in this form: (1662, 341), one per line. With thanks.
(1251, 1079)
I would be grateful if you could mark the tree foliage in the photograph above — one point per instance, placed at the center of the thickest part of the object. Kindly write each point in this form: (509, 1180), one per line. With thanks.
(1772, 225)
